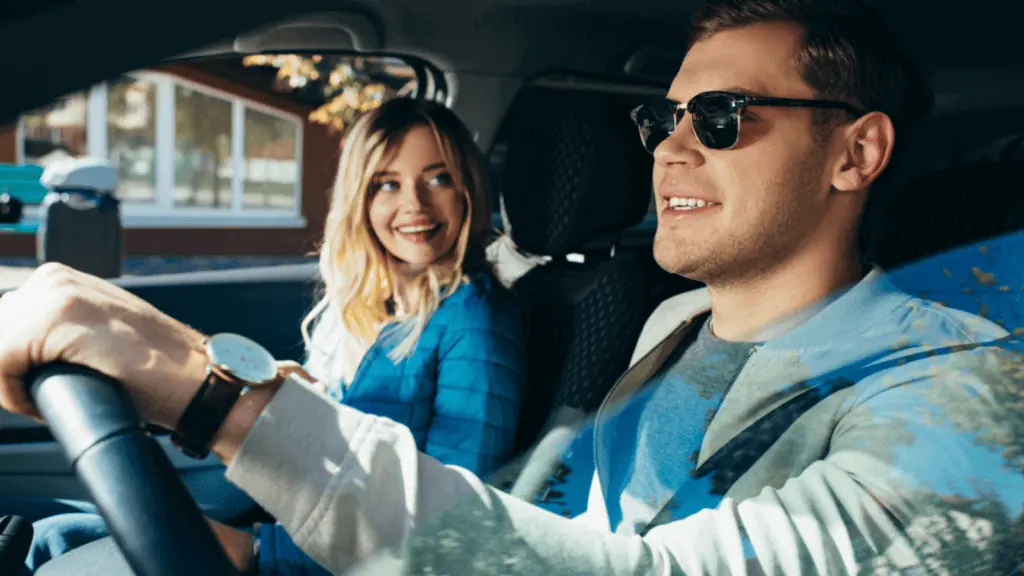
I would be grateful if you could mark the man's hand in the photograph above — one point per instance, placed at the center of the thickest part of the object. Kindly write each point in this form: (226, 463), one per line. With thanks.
(237, 545)
(60, 314)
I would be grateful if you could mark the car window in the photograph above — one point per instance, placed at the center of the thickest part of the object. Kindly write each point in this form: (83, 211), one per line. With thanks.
(209, 145)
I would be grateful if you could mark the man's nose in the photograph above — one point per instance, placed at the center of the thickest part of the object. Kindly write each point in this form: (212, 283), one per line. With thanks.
(681, 147)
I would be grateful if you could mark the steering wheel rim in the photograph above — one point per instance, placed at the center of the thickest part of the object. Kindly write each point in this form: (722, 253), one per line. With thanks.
(148, 510)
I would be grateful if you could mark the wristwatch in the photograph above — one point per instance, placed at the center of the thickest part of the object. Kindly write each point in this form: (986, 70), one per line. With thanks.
(236, 364)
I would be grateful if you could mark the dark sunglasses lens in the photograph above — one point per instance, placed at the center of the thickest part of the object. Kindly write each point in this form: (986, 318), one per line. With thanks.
(655, 121)
(716, 121)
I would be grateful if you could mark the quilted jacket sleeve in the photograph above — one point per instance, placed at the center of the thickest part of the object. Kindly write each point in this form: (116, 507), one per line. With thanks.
(481, 375)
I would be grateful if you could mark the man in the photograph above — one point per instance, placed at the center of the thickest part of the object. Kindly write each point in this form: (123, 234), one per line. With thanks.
(799, 416)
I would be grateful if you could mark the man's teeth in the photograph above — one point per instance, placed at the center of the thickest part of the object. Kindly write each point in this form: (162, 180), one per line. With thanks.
(687, 203)
(416, 229)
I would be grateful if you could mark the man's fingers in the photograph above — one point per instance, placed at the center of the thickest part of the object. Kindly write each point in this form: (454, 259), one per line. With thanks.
(14, 398)
(13, 357)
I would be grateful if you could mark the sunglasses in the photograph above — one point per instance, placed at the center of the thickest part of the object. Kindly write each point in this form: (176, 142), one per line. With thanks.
(715, 116)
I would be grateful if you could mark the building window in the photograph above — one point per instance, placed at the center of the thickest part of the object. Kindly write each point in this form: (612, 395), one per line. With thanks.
(131, 137)
(270, 164)
(194, 154)
(203, 165)
(186, 154)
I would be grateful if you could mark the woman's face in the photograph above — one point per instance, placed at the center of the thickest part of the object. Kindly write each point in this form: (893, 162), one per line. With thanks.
(416, 211)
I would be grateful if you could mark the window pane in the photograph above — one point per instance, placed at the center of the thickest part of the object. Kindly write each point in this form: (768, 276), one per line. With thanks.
(271, 171)
(131, 137)
(56, 131)
(202, 150)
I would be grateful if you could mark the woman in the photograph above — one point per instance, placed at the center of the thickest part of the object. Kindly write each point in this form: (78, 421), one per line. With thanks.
(412, 325)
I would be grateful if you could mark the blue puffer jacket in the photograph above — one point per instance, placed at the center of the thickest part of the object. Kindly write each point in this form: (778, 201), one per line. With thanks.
(459, 392)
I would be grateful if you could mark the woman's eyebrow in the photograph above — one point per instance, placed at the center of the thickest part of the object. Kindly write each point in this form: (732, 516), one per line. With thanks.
(434, 166)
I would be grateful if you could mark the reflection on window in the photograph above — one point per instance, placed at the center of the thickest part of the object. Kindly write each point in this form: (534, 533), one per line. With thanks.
(342, 87)
(271, 170)
(202, 150)
(57, 131)
(131, 137)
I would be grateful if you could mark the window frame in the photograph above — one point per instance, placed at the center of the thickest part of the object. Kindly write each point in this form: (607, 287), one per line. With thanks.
(162, 213)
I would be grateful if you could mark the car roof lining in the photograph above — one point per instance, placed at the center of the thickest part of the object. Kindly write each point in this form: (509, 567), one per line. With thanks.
(522, 38)
(501, 40)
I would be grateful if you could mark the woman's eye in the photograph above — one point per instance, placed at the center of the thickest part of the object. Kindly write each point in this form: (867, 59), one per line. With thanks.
(442, 179)
(385, 186)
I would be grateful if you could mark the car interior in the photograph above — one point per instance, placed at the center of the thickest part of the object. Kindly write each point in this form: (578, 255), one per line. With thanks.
(547, 86)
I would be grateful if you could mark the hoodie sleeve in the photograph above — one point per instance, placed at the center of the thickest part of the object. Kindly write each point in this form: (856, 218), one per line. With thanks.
(352, 489)
(279, 556)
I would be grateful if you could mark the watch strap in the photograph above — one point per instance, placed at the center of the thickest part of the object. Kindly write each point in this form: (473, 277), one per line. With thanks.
(205, 414)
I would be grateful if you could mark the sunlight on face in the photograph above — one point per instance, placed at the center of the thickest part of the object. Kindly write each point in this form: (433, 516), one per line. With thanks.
(770, 191)
(416, 210)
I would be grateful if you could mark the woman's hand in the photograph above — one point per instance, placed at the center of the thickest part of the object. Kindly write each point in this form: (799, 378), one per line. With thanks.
(237, 545)
(60, 314)
(289, 367)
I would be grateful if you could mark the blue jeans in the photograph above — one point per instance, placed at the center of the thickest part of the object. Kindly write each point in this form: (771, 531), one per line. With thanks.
(63, 525)
(59, 526)
(60, 534)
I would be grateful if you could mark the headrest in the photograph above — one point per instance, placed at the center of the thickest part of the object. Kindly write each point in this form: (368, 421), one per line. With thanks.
(947, 209)
(574, 170)
(958, 139)
(968, 153)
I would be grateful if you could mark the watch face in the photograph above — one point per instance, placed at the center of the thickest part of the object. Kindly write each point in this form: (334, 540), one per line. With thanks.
(243, 358)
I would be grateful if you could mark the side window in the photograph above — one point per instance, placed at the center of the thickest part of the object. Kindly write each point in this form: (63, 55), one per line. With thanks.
(214, 142)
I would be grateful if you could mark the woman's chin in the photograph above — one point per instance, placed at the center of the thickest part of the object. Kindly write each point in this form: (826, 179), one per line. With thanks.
(416, 259)
(412, 264)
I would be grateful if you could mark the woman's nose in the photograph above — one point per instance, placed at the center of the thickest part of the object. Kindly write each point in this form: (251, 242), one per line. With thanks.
(413, 195)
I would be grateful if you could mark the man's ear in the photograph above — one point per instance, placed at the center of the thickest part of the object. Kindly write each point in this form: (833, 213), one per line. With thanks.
(867, 148)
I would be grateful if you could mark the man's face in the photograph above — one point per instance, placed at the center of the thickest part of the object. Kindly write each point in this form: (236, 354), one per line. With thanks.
(768, 194)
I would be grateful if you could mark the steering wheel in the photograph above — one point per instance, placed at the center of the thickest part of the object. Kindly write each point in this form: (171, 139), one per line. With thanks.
(151, 515)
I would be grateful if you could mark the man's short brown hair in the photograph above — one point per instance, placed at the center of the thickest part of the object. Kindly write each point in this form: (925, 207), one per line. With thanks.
(849, 53)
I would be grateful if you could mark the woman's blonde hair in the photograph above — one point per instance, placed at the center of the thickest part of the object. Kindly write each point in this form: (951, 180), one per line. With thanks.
(358, 281)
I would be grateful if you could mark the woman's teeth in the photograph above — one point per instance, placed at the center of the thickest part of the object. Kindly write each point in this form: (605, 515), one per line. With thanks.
(417, 229)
